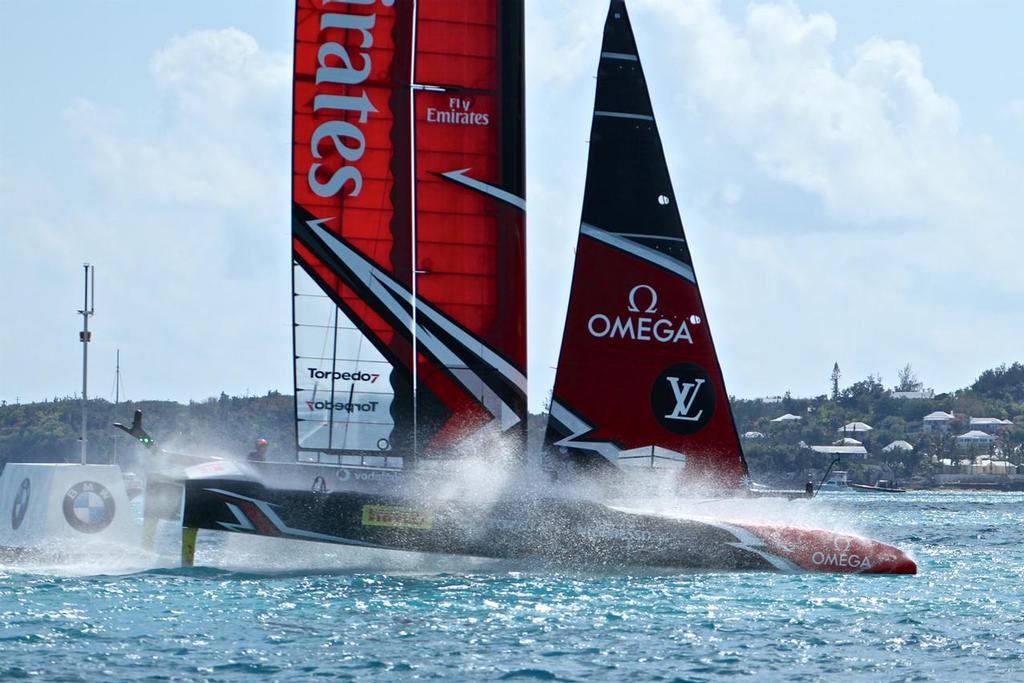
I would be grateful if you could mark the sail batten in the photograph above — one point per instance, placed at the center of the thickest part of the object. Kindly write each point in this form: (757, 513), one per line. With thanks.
(627, 243)
(638, 380)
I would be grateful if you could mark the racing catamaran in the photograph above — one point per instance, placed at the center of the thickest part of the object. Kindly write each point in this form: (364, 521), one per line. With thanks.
(408, 225)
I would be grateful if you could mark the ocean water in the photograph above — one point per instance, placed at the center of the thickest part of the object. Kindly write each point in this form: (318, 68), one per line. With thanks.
(261, 609)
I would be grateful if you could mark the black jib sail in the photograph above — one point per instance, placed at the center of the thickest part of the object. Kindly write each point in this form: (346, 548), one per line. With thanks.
(635, 310)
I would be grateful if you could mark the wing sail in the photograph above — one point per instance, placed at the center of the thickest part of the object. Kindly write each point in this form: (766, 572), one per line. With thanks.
(407, 226)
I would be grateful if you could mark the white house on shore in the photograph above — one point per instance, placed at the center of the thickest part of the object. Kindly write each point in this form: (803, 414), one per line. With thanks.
(937, 422)
(855, 429)
(985, 467)
(788, 417)
(991, 425)
(898, 445)
(923, 394)
(975, 440)
(852, 451)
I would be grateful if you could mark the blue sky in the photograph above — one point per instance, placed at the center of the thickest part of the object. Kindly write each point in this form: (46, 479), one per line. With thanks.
(849, 174)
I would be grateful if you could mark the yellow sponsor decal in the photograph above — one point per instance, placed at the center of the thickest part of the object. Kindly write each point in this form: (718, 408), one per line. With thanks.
(393, 516)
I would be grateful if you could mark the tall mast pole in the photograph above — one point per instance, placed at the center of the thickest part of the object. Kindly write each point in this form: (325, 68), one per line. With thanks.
(117, 394)
(414, 275)
(84, 336)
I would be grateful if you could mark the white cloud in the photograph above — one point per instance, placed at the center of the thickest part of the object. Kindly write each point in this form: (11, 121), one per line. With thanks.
(868, 134)
(732, 193)
(870, 140)
(912, 219)
(902, 246)
(183, 207)
(1015, 110)
(219, 145)
(561, 36)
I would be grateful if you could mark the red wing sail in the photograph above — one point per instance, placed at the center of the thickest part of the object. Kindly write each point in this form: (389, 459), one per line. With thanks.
(392, 357)
(638, 380)
(469, 219)
(353, 357)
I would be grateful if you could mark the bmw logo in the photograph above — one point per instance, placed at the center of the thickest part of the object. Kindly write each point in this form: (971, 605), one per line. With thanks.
(88, 507)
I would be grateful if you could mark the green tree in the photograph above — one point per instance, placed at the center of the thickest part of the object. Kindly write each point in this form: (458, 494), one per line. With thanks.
(908, 380)
(1004, 383)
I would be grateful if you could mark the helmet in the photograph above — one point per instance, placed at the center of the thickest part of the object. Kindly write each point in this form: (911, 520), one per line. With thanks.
(261, 442)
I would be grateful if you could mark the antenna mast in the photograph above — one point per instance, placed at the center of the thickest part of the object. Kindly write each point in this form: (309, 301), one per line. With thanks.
(84, 336)
(117, 397)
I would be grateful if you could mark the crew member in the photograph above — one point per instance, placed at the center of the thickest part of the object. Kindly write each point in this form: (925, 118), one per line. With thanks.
(260, 453)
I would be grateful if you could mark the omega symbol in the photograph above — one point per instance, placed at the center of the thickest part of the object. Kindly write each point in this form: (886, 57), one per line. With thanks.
(652, 307)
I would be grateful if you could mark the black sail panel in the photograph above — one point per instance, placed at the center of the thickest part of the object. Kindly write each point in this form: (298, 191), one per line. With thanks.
(628, 187)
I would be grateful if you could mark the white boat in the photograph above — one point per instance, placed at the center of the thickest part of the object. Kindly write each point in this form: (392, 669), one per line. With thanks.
(837, 481)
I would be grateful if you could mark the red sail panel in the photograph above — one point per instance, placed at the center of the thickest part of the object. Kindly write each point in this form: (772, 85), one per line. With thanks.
(456, 226)
(351, 222)
(639, 367)
(457, 43)
(469, 217)
(350, 114)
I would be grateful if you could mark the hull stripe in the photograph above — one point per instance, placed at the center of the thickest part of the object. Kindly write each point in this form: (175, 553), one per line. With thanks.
(267, 510)
(751, 543)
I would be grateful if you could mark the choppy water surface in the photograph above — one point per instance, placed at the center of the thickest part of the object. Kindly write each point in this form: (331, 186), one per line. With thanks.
(299, 611)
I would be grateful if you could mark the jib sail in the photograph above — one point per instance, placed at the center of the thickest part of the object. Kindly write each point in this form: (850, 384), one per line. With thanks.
(638, 379)
(407, 226)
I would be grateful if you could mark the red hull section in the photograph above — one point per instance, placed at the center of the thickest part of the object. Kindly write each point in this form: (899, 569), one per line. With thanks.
(817, 550)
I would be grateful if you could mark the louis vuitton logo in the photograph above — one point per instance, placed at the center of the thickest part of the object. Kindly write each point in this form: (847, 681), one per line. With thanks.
(685, 394)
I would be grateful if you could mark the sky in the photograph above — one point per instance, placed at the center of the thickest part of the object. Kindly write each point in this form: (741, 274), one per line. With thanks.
(851, 178)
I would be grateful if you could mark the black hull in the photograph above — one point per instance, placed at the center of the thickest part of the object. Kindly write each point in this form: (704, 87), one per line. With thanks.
(572, 533)
(559, 531)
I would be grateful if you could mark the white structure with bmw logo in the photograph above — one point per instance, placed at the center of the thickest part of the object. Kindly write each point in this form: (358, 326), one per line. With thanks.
(49, 510)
